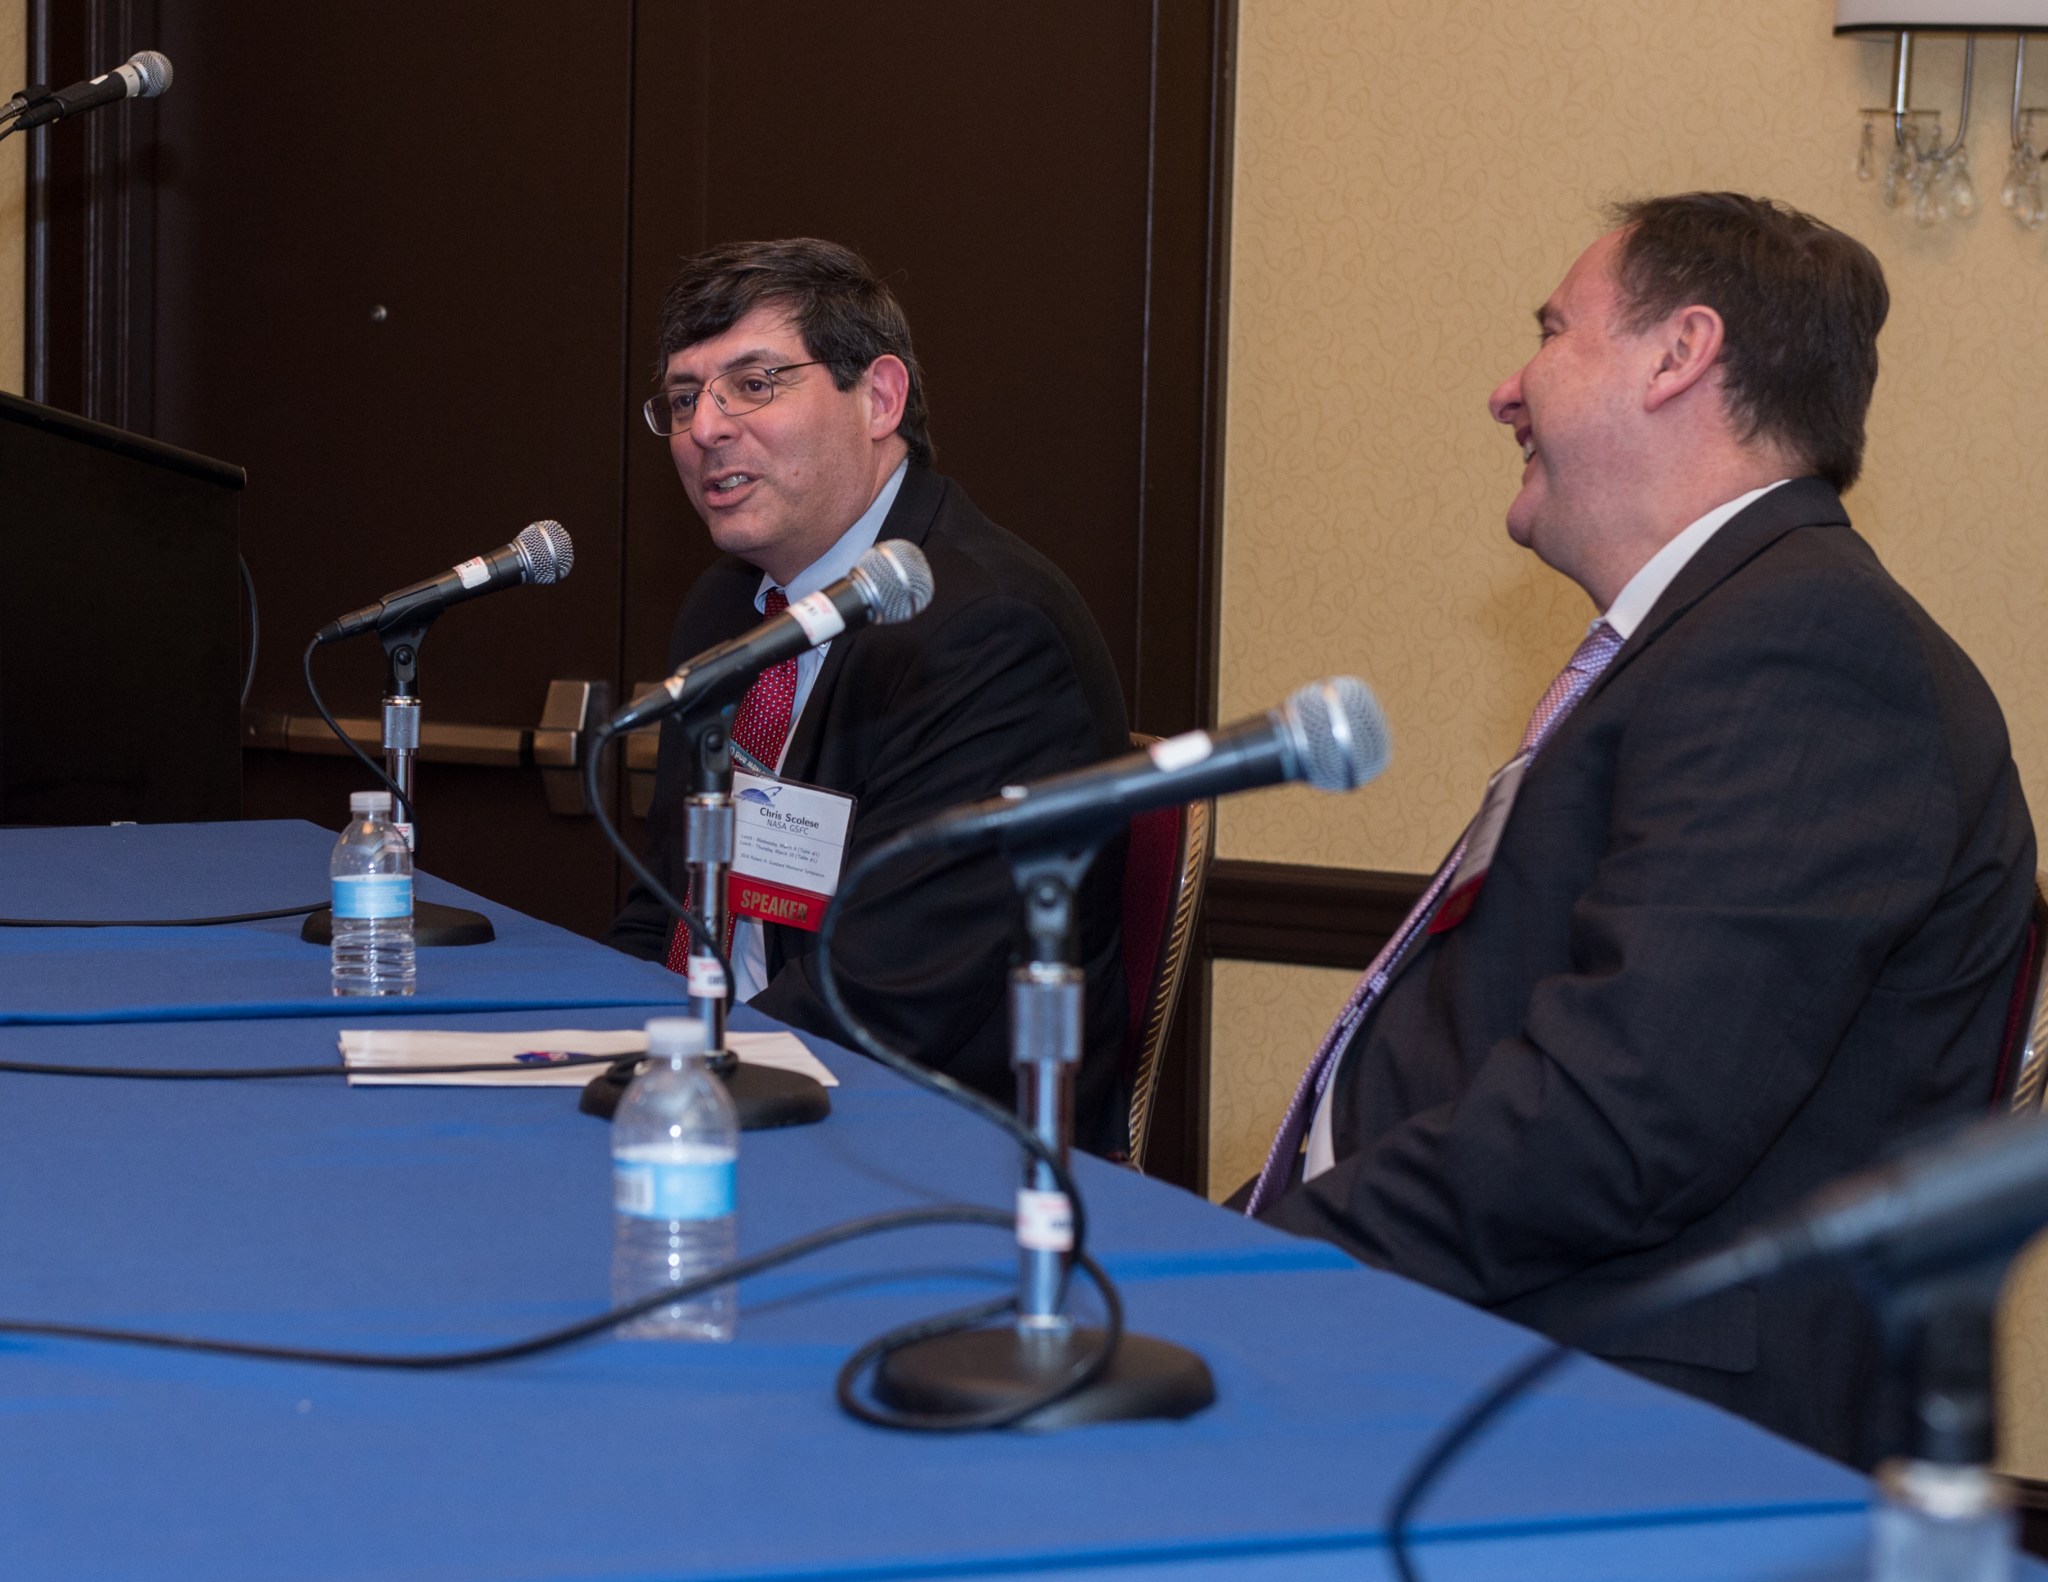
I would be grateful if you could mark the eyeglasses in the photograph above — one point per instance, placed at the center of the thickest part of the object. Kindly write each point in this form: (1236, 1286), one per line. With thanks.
(739, 390)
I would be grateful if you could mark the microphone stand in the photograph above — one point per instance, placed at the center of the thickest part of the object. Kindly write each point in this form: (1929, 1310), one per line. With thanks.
(764, 1097)
(1942, 1515)
(432, 923)
(971, 1371)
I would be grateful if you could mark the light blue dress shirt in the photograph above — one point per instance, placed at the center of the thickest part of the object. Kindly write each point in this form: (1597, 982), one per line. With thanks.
(749, 948)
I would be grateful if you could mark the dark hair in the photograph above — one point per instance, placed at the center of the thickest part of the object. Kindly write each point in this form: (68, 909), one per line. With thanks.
(1801, 302)
(846, 316)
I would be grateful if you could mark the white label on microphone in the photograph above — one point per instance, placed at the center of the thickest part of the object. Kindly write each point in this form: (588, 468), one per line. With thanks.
(706, 979)
(1178, 752)
(819, 618)
(474, 573)
(1045, 1221)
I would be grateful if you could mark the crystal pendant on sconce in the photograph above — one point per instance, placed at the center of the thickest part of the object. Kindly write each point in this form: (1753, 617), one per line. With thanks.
(1898, 171)
(1962, 191)
(1866, 152)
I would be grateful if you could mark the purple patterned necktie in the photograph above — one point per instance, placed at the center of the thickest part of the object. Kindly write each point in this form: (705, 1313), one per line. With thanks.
(1572, 683)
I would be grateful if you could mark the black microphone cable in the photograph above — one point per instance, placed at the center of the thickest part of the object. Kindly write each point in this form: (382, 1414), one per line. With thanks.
(255, 627)
(1091, 1366)
(161, 922)
(547, 1340)
(700, 929)
(400, 799)
(1749, 1259)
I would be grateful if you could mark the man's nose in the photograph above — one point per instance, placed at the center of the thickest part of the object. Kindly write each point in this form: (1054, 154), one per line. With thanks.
(1506, 401)
(709, 425)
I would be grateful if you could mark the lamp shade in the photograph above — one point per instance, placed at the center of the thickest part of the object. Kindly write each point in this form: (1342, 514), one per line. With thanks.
(1941, 16)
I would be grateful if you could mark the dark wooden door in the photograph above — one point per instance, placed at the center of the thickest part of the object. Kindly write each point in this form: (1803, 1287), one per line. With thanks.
(401, 262)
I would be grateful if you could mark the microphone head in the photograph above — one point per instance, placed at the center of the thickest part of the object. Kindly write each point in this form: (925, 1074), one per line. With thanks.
(896, 580)
(545, 551)
(152, 73)
(1338, 732)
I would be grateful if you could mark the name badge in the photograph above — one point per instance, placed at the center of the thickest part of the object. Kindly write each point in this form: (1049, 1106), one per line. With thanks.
(789, 845)
(1480, 846)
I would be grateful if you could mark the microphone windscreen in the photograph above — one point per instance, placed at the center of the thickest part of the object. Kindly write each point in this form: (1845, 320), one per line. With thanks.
(545, 550)
(1339, 732)
(152, 71)
(898, 580)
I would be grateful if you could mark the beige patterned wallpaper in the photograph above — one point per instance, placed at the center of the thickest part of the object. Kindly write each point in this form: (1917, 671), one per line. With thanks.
(1411, 181)
(13, 218)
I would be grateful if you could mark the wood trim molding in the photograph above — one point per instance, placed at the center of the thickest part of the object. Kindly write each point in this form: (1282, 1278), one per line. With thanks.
(1193, 113)
(1303, 916)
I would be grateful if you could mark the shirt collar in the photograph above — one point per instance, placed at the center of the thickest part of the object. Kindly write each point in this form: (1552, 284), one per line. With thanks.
(1644, 589)
(837, 561)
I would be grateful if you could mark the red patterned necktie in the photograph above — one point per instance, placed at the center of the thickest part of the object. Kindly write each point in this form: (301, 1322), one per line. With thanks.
(1602, 643)
(761, 727)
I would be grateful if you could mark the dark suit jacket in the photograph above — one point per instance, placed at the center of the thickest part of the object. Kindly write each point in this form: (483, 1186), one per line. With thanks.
(1755, 920)
(1004, 678)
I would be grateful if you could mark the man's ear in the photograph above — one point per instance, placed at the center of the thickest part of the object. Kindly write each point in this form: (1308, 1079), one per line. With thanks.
(888, 383)
(1689, 344)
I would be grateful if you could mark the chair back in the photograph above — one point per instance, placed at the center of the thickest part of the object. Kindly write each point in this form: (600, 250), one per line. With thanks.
(2023, 1063)
(1167, 865)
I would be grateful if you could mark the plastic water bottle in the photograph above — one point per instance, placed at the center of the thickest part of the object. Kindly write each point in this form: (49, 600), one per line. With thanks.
(675, 1147)
(372, 874)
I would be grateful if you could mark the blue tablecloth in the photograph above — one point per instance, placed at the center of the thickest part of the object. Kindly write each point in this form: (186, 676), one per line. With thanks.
(308, 1212)
(249, 969)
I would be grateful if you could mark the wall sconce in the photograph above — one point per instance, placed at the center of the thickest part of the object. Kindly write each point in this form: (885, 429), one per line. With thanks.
(1917, 161)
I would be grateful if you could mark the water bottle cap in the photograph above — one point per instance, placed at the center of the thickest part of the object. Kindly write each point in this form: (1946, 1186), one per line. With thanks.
(669, 1037)
(369, 801)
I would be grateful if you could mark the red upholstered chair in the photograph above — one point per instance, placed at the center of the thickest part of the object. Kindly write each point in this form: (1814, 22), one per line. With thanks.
(1163, 877)
(2023, 1064)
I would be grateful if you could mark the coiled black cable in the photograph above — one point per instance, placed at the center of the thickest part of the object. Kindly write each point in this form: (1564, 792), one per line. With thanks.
(1091, 1366)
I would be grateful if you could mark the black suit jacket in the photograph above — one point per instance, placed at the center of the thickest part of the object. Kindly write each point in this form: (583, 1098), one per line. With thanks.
(1004, 678)
(1755, 921)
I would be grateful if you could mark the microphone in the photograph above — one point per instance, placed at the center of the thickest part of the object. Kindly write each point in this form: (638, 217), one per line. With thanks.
(890, 583)
(541, 553)
(144, 75)
(1329, 733)
(1950, 1205)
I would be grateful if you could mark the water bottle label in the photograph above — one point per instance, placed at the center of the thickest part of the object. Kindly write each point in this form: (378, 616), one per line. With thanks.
(673, 1191)
(373, 895)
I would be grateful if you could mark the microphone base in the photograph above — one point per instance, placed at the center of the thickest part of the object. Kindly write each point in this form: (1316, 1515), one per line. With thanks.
(766, 1099)
(981, 1370)
(432, 925)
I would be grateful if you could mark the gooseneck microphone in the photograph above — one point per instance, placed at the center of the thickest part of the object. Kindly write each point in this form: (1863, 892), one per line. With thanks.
(890, 583)
(1329, 734)
(1950, 1205)
(541, 553)
(143, 75)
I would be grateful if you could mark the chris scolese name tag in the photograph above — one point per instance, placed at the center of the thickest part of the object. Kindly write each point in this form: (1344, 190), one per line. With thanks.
(789, 844)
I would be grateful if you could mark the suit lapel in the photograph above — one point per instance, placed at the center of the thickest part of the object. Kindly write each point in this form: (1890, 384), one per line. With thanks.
(917, 503)
(1804, 502)
(911, 517)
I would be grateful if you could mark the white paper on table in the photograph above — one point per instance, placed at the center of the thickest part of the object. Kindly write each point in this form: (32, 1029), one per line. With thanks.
(388, 1056)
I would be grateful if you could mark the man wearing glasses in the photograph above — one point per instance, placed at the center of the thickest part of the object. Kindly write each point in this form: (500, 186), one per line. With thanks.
(795, 412)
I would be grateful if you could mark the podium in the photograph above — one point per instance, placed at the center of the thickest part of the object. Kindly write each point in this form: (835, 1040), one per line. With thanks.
(120, 625)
